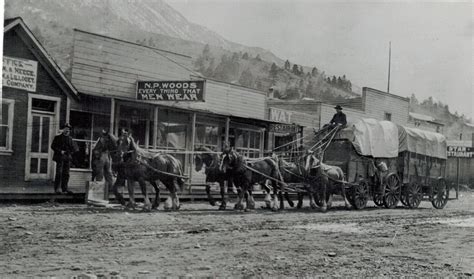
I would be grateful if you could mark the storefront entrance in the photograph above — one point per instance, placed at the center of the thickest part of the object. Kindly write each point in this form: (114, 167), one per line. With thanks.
(43, 115)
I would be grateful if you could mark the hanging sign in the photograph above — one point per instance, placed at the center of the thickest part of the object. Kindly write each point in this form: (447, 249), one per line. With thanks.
(460, 151)
(179, 91)
(19, 73)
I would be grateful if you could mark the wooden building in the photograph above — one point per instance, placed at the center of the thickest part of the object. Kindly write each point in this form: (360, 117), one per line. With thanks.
(35, 94)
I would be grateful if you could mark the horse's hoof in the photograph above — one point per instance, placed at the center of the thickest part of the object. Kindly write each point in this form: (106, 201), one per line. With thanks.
(324, 209)
(251, 206)
(313, 206)
(222, 207)
(212, 203)
(299, 205)
(291, 204)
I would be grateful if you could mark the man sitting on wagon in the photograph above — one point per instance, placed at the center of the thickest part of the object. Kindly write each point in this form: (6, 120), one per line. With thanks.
(339, 118)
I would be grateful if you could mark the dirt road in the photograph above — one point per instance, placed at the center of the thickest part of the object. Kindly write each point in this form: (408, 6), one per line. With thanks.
(69, 240)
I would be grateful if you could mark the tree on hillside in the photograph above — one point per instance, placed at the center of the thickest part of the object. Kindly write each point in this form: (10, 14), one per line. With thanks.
(206, 51)
(235, 56)
(246, 78)
(209, 71)
(309, 90)
(274, 70)
(314, 71)
(287, 65)
(245, 56)
(258, 58)
(301, 71)
(295, 70)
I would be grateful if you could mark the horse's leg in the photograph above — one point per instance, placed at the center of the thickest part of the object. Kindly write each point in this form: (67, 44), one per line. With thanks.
(119, 182)
(146, 200)
(290, 202)
(282, 200)
(174, 195)
(250, 200)
(241, 195)
(299, 205)
(343, 192)
(131, 194)
(223, 190)
(312, 203)
(324, 185)
(275, 206)
(209, 196)
(156, 202)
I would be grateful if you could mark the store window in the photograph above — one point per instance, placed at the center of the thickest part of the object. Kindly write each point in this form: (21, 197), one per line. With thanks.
(6, 125)
(138, 122)
(248, 143)
(207, 135)
(86, 130)
(173, 132)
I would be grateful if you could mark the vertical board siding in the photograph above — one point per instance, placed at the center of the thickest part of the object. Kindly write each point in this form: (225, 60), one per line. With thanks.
(377, 103)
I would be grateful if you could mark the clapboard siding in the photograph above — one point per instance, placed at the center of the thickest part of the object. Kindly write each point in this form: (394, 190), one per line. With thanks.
(109, 67)
(377, 103)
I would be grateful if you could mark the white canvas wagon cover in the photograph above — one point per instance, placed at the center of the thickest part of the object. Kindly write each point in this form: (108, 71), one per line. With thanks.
(385, 139)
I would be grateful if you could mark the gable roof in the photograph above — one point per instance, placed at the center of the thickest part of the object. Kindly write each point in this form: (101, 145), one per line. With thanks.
(53, 68)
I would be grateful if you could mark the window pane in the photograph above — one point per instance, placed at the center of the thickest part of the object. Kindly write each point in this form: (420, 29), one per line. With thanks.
(44, 166)
(101, 122)
(81, 159)
(43, 105)
(3, 136)
(82, 124)
(34, 165)
(45, 135)
(172, 129)
(35, 133)
(4, 119)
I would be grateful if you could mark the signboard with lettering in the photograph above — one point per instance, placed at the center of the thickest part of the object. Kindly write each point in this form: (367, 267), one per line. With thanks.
(181, 91)
(283, 128)
(19, 73)
(460, 151)
(280, 115)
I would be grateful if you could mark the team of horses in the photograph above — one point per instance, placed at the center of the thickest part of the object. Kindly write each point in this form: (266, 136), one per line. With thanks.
(276, 176)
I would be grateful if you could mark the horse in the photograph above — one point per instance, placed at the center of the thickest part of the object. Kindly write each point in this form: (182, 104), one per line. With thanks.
(213, 174)
(296, 173)
(101, 159)
(245, 174)
(139, 165)
(329, 176)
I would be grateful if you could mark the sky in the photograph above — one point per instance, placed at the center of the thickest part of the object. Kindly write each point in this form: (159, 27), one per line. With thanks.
(432, 42)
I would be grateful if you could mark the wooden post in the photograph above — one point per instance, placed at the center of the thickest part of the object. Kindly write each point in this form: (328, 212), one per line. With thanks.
(191, 157)
(227, 128)
(457, 177)
(155, 128)
(112, 115)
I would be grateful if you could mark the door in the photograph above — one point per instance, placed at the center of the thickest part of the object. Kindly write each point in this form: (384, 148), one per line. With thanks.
(40, 155)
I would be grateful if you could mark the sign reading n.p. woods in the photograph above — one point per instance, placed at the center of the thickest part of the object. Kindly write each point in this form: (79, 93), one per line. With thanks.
(191, 90)
(19, 73)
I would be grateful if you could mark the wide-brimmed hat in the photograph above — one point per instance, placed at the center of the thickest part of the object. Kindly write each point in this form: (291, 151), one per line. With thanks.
(67, 125)
(338, 107)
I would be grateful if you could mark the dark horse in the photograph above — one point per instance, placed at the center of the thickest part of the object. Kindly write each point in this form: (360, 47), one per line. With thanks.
(296, 173)
(244, 174)
(142, 166)
(207, 157)
(330, 177)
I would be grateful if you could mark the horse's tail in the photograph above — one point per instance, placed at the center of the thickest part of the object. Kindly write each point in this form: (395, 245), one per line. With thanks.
(178, 169)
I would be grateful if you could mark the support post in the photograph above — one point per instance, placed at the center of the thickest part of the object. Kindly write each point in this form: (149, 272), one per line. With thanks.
(227, 128)
(155, 128)
(191, 157)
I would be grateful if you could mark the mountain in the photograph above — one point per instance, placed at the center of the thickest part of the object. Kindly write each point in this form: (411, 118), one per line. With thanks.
(154, 23)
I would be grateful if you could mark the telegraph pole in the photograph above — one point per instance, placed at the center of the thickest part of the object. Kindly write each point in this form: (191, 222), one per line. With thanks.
(389, 60)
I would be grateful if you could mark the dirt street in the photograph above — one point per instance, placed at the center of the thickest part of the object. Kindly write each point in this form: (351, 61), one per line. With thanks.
(65, 240)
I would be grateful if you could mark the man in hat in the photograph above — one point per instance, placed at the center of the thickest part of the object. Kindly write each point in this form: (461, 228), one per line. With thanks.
(339, 118)
(63, 147)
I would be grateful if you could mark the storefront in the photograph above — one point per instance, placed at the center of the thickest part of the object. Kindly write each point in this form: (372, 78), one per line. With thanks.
(35, 94)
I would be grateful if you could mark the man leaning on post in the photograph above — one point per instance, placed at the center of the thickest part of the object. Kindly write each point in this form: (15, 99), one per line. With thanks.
(63, 147)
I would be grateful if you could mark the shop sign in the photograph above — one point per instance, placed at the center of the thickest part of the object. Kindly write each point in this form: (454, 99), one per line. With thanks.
(280, 115)
(460, 151)
(283, 128)
(180, 91)
(19, 73)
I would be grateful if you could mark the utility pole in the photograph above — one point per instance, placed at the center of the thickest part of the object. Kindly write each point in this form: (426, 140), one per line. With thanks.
(389, 60)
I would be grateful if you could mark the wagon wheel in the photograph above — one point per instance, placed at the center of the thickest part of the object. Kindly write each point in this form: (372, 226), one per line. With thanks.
(413, 195)
(392, 191)
(360, 194)
(440, 194)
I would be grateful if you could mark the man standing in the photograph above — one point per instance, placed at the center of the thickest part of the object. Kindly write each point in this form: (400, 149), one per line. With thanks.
(339, 118)
(63, 147)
